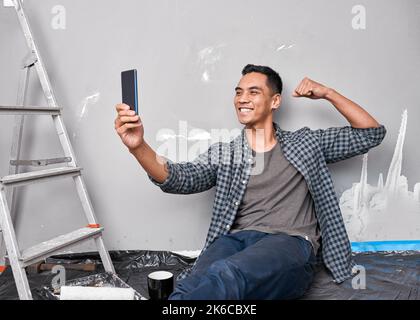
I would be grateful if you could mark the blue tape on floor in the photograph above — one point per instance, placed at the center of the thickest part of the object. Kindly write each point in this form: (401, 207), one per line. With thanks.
(397, 245)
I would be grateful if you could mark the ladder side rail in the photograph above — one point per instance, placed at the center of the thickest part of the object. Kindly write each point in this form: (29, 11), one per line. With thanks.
(39, 65)
(9, 236)
(11, 196)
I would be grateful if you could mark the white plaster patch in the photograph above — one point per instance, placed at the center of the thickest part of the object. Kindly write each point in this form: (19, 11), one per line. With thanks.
(383, 212)
(210, 55)
(89, 100)
(83, 107)
(8, 3)
(208, 58)
(205, 77)
(285, 47)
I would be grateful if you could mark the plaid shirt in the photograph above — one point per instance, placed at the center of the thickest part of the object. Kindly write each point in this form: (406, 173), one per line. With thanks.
(227, 165)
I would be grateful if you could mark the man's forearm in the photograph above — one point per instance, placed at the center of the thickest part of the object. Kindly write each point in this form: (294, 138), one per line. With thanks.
(355, 114)
(151, 162)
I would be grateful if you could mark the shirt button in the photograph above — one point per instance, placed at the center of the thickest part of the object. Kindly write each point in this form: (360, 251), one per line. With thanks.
(243, 181)
(250, 160)
(227, 226)
(236, 203)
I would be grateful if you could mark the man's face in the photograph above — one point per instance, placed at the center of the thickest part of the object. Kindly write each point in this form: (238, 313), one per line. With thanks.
(254, 100)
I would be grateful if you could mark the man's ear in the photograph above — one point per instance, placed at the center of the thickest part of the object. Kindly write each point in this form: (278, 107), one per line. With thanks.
(276, 101)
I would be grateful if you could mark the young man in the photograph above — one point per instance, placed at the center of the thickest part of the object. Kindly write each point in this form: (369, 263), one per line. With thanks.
(267, 226)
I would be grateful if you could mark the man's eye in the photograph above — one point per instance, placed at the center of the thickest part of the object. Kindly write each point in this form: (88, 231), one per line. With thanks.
(254, 92)
(238, 93)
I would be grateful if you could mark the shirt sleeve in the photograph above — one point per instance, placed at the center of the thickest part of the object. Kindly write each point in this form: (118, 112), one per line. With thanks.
(190, 177)
(340, 143)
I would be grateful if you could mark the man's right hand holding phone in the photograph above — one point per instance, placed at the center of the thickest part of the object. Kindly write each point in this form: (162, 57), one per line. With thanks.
(129, 127)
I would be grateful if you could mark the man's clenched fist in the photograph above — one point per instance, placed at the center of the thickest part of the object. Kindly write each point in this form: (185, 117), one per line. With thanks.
(311, 89)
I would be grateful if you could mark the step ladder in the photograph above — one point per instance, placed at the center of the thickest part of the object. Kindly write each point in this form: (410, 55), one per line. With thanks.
(18, 259)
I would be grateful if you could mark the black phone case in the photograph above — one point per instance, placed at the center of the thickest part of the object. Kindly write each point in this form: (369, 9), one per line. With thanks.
(129, 89)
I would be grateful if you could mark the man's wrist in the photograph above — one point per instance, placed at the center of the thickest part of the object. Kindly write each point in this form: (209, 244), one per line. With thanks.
(138, 150)
(331, 94)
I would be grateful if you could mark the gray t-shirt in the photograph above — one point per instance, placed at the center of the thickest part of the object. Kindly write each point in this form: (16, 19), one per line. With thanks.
(277, 199)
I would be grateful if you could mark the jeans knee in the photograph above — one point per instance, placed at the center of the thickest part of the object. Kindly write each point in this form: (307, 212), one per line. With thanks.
(221, 281)
(222, 267)
(230, 278)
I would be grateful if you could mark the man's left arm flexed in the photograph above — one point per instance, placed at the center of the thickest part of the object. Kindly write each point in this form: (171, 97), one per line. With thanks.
(355, 114)
(340, 143)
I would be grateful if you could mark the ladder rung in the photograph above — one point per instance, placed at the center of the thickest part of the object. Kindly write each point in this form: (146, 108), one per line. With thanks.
(29, 110)
(39, 162)
(38, 176)
(48, 248)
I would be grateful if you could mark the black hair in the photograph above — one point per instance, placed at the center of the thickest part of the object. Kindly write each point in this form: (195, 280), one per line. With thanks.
(273, 79)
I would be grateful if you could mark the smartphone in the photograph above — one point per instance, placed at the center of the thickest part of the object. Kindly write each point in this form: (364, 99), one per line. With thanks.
(129, 89)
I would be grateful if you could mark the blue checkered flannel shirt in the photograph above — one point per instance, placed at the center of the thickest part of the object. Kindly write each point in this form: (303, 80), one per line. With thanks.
(227, 166)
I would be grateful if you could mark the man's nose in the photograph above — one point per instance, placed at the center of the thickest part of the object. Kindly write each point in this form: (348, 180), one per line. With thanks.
(243, 98)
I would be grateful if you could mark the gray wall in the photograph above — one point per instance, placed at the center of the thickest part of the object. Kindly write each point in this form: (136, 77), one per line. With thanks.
(189, 55)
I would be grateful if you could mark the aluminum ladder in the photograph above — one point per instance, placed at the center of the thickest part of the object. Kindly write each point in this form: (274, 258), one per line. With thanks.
(18, 259)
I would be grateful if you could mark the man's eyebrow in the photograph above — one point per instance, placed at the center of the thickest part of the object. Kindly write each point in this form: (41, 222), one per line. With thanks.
(250, 88)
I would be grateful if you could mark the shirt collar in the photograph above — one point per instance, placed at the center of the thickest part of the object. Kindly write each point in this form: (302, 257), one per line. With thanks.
(244, 147)
(278, 131)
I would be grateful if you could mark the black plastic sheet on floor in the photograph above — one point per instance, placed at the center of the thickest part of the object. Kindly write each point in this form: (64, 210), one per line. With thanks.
(389, 275)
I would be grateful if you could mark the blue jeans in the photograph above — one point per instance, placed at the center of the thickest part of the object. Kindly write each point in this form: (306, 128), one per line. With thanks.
(250, 265)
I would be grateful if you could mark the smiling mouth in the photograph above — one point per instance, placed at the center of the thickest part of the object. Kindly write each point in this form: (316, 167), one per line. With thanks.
(244, 110)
